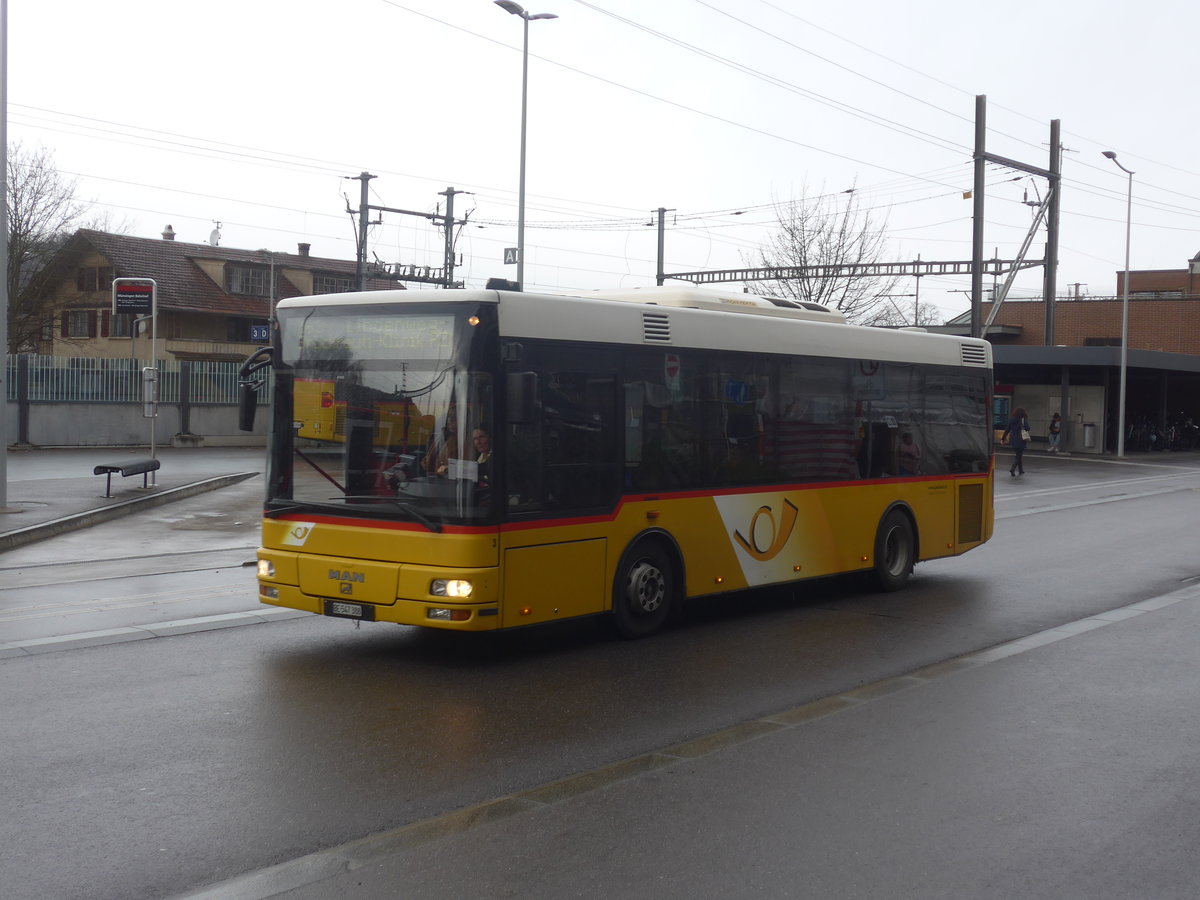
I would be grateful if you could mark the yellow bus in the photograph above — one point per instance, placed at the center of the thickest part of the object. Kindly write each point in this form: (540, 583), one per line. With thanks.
(611, 453)
(320, 413)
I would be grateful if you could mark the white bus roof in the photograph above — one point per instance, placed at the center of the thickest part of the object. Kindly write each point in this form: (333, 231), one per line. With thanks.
(683, 318)
(725, 301)
(681, 297)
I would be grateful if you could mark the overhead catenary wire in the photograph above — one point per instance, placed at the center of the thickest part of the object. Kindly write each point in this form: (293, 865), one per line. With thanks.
(705, 221)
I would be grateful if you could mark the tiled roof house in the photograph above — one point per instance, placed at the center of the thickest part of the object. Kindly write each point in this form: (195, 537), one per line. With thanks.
(209, 297)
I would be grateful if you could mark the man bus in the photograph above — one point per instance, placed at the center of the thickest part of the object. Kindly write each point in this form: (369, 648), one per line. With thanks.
(645, 447)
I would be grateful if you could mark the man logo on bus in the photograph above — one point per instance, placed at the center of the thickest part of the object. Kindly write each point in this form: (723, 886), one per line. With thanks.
(778, 536)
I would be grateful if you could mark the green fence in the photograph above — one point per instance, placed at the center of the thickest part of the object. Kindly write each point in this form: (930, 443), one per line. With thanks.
(32, 378)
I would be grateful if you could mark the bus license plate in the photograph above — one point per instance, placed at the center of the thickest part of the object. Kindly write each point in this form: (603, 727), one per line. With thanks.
(344, 610)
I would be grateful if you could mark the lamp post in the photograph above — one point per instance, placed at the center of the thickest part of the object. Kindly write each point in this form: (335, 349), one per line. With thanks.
(1124, 306)
(517, 10)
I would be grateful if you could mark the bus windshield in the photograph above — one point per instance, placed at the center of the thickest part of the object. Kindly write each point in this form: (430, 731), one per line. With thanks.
(384, 413)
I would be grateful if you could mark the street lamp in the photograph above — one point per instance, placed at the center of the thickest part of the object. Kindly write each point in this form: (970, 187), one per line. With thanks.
(1124, 306)
(517, 10)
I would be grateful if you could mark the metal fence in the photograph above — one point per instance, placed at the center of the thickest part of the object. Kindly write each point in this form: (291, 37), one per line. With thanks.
(83, 380)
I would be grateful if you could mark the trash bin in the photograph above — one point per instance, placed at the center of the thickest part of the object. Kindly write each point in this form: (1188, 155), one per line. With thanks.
(1089, 435)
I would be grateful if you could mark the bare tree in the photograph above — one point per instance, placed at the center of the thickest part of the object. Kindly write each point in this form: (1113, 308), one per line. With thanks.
(831, 230)
(903, 310)
(42, 215)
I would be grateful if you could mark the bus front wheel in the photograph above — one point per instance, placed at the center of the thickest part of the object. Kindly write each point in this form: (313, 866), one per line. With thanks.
(644, 592)
(895, 551)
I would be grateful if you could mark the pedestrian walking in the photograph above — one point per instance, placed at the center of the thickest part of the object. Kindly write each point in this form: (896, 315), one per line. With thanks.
(1017, 434)
(1055, 431)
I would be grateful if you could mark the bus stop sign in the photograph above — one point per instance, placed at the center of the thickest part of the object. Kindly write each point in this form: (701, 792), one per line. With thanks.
(131, 296)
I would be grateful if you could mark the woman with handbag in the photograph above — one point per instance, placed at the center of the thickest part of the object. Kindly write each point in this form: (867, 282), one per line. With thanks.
(1017, 434)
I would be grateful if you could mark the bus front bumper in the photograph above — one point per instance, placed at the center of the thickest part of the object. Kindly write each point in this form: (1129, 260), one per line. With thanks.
(425, 613)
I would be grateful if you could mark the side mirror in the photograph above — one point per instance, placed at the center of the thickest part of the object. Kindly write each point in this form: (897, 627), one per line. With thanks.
(521, 397)
(247, 405)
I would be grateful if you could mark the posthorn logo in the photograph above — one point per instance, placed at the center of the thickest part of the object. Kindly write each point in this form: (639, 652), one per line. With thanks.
(766, 537)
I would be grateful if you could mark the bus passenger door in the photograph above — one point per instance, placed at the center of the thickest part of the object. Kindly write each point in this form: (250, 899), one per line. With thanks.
(546, 582)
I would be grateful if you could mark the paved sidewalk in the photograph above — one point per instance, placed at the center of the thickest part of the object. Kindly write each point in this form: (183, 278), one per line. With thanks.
(54, 491)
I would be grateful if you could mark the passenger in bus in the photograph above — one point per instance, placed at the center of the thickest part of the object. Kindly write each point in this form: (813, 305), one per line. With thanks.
(483, 457)
(483, 445)
(909, 455)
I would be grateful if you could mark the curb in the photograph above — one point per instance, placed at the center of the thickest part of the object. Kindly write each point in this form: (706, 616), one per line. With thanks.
(21, 536)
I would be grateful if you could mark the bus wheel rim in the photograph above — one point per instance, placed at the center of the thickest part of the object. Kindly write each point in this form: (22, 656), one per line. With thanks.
(647, 588)
(896, 551)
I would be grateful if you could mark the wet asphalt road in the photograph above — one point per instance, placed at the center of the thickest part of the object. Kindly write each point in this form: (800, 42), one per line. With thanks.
(149, 768)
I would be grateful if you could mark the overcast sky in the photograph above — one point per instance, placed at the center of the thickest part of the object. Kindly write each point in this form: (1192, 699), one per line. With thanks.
(255, 113)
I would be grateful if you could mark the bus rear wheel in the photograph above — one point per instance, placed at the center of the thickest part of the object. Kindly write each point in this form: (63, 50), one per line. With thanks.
(645, 591)
(895, 551)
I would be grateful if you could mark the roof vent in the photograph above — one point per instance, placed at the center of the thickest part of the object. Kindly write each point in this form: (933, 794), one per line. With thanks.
(656, 327)
(168, 233)
(973, 354)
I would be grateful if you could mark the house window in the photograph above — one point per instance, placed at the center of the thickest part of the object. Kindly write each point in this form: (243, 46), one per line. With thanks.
(94, 278)
(249, 280)
(121, 325)
(332, 284)
(79, 323)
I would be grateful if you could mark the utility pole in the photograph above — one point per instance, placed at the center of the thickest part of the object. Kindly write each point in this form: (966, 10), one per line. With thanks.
(917, 297)
(4, 298)
(662, 239)
(363, 224)
(448, 266)
(1050, 205)
(1049, 285)
(977, 216)
(423, 274)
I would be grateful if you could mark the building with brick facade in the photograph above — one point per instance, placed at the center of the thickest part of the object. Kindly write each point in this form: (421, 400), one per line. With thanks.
(1084, 363)
(1164, 315)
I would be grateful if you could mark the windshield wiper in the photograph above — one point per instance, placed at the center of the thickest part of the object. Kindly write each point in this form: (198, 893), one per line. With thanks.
(399, 504)
(272, 512)
(280, 510)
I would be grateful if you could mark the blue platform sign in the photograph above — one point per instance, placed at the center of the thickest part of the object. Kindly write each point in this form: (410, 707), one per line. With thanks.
(737, 392)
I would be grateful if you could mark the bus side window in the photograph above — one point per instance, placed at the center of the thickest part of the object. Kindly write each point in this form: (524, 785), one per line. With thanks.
(566, 457)
(664, 446)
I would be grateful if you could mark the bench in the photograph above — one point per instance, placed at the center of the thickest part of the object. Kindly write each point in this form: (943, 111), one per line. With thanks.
(141, 467)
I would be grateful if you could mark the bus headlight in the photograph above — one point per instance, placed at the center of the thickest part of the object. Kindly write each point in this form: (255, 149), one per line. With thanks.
(451, 587)
(266, 568)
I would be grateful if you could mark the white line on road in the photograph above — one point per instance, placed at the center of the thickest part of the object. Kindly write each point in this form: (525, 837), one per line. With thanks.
(142, 632)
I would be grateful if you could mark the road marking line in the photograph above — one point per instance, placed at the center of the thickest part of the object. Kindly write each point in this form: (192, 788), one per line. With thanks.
(35, 646)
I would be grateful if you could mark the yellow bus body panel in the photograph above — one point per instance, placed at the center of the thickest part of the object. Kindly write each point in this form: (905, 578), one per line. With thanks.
(523, 575)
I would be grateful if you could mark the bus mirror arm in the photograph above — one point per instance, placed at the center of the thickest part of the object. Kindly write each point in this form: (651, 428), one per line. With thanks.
(521, 397)
(248, 385)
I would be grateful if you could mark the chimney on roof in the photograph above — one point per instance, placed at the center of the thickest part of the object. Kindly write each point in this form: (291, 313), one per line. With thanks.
(304, 248)
(168, 233)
